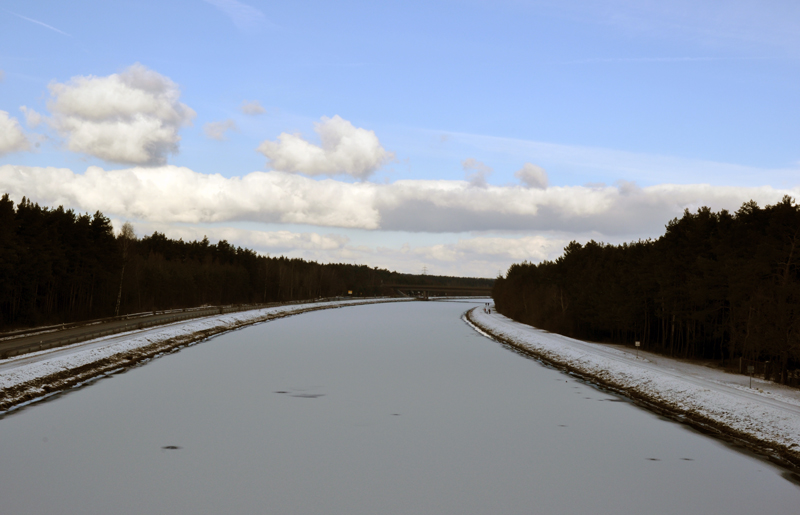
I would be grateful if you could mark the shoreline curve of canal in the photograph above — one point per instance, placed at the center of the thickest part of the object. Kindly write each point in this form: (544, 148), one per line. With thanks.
(775, 452)
(68, 376)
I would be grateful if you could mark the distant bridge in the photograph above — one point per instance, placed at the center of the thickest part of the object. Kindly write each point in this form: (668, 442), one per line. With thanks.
(429, 290)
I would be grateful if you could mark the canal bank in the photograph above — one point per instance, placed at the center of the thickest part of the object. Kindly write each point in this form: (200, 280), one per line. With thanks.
(769, 427)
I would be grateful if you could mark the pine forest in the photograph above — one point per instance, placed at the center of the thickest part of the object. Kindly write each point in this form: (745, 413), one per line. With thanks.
(58, 266)
(716, 286)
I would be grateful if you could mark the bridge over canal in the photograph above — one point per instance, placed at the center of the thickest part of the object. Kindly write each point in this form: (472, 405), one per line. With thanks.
(428, 290)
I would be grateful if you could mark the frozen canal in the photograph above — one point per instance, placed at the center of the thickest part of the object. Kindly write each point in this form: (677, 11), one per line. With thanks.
(380, 409)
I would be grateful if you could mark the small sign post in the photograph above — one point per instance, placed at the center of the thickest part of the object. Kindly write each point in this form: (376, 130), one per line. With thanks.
(750, 370)
(638, 344)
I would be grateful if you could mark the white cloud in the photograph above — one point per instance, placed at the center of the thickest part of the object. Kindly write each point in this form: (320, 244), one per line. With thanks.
(532, 176)
(244, 16)
(531, 248)
(345, 150)
(12, 139)
(252, 107)
(479, 256)
(454, 206)
(476, 172)
(217, 130)
(32, 118)
(261, 241)
(132, 117)
(171, 194)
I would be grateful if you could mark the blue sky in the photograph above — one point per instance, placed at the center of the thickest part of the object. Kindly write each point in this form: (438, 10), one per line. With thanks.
(632, 110)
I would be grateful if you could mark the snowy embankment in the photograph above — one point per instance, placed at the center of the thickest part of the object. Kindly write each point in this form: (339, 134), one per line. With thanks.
(765, 419)
(29, 377)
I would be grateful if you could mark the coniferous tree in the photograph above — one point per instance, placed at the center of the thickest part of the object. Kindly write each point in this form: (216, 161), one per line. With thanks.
(714, 286)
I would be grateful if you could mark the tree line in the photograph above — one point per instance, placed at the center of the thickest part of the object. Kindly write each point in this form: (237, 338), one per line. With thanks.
(59, 266)
(714, 286)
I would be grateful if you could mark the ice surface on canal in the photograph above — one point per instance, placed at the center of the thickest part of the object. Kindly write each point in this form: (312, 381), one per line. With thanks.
(395, 408)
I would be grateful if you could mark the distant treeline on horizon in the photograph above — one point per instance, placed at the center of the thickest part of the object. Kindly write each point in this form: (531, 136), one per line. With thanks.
(714, 286)
(57, 266)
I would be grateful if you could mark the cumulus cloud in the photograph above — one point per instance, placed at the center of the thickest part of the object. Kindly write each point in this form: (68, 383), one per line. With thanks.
(132, 117)
(173, 194)
(532, 176)
(251, 107)
(345, 150)
(455, 206)
(12, 139)
(476, 172)
(32, 118)
(217, 130)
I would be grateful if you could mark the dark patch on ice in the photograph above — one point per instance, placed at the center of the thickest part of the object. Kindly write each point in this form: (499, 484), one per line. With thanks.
(562, 425)
(395, 414)
(171, 447)
(653, 459)
(687, 459)
(300, 395)
(613, 400)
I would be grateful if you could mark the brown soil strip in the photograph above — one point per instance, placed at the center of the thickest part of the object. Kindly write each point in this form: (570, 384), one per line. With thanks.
(775, 452)
(42, 387)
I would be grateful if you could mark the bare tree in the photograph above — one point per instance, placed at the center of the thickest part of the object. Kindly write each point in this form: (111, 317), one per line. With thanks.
(126, 236)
